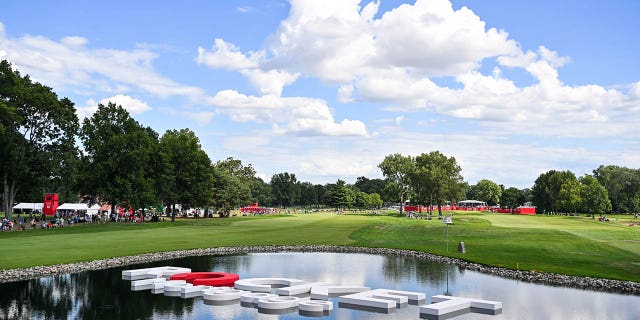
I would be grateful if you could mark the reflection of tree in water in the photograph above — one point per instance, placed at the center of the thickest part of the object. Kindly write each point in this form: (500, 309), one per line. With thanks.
(230, 263)
(98, 294)
(41, 298)
(398, 268)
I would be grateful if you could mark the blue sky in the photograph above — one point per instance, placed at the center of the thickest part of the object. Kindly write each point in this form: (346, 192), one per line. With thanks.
(326, 89)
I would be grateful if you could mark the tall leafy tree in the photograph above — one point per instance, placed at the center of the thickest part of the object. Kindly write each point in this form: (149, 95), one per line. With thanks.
(369, 186)
(375, 201)
(546, 189)
(360, 199)
(229, 191)
(285, 189)
(397, 170)
(568, 198)
(487, 191)
(438, 178)
(622, 185)
(37, 129)
(339, 195)
(232, 184)
(309, 195)
(512, 198)
(190, 179)
(116, 163)
(261, 192)
(594, 198)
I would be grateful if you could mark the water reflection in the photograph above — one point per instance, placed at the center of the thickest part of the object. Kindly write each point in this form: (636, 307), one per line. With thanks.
(399, 269)
(103, 295)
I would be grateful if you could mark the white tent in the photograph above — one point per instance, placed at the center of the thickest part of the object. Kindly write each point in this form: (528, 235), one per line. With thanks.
(29, 206)
(80, 207)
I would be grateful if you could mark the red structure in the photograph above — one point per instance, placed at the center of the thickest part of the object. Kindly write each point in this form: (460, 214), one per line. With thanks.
(524, 210)
(255, 209)
(518, 210)
(215, 279)
(50, 204)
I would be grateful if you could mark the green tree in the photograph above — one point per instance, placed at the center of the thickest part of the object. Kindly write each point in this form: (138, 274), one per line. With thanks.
(369, 186)
(37, 129)
(487, 191)
(261, 192)
(310, 195)
(232, 184)
(397, 170)
(190, 178)
(512, 198)
(229, 192)
(438, 179)
(546, 189)
(116, 163)
(339, 195)
(360, 199)
(285, 189)
(568, 199)
(622, 185)
(594, 198)
(375, 201)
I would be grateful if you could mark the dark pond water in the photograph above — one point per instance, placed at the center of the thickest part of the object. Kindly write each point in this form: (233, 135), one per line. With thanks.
(104, 295)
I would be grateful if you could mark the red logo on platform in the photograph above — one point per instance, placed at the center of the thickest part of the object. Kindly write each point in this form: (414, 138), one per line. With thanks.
(215, 279)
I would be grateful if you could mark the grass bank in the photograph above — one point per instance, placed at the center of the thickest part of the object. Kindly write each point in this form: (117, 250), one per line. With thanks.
(566, 245)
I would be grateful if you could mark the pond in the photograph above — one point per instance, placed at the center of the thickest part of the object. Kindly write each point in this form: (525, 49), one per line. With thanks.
(103, 294)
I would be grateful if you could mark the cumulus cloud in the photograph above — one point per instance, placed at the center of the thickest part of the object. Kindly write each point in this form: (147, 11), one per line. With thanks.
(227, 56)
(132, 105)
(394, 59)
(269, 82)
(71, 64)
(297, 115)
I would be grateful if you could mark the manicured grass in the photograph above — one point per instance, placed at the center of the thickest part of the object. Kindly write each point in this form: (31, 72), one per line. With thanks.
(566, 245)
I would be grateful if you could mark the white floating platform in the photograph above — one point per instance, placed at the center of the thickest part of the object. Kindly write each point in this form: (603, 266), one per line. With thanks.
(264, 284)
(193, 291)
(381, 299)
(315, 306)
(253, 297)
(149, 273)
(173, 288)
(325, 292)
(279, 302)
(222, 294)
(146, 284)
(299, 289)
(441, 306)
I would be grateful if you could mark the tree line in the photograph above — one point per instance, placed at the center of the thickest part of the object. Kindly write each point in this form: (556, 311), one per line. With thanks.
(112, 158)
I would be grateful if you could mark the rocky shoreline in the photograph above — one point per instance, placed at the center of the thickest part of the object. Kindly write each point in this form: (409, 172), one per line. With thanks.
(596, 284)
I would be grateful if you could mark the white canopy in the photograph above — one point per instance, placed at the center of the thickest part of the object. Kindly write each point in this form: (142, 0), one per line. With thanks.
(28, 206)
(80, 207)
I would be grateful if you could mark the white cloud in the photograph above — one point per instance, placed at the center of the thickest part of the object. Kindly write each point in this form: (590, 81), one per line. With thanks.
(393, 59)
(132, 105)
(298, 115)
(270, 82)
(433, 39)
(227, 56)
(70, 64)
